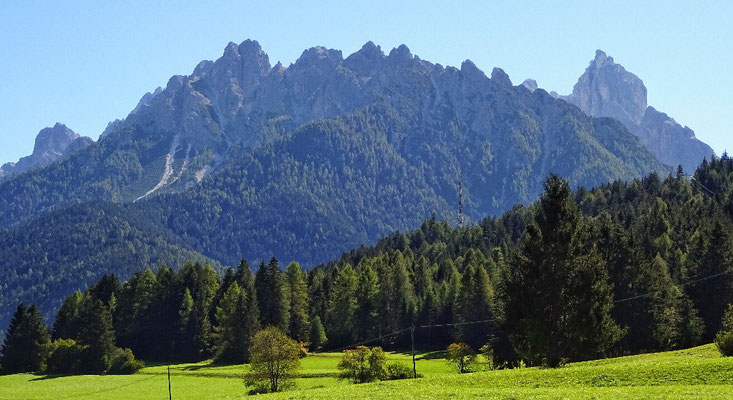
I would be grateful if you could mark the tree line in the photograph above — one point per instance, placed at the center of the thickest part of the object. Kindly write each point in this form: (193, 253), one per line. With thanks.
(624, 268)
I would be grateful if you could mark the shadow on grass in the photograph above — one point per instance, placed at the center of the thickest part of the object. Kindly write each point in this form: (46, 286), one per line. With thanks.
(50, 376)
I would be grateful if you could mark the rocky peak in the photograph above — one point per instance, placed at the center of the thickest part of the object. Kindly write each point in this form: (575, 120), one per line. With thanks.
(54, 140)
(400, 56)
(366, 60)
(530, 84)
(606, 89)
(601, 59)
(499, 76)
(246, 63)
(319, 57)
(51, 144)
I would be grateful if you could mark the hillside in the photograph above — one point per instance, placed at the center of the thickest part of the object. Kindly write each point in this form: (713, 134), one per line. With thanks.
(46, 259)
(697, 373)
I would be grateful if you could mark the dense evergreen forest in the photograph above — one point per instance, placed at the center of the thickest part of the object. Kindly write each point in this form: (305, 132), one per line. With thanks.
(624, 268)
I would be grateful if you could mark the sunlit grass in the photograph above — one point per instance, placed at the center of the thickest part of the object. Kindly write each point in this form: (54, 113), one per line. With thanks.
(692, 373)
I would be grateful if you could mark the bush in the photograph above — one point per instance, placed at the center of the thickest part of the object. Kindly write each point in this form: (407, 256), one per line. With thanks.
(362, 364)
(397, 371)
(724, 342)
(303, 351)
(65, 357)
(462, 356)
(124, 362)
(274, 361)
(488, 352)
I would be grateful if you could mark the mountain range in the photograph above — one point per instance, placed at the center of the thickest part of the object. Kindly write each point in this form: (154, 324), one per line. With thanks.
(246, 159)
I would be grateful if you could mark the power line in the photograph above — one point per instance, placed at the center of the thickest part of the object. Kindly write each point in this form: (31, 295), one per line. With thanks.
(372, 339)
(681, 285)
(455, 324)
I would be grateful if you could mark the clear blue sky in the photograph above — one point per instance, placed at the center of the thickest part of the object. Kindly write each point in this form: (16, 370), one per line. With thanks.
(85, 63)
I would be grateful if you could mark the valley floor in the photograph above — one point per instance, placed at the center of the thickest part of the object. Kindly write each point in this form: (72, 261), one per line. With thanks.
(699, 372)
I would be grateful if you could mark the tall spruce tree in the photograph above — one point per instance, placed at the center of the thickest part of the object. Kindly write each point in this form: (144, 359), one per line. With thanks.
(711, 270)
(557, 297)
(66, 324)
(342, 307)
(297, 289)
(318, 337)
(366, 315)
(272, 296)
(97, 333)
(26, 345)
(474, 303)
(131, 314)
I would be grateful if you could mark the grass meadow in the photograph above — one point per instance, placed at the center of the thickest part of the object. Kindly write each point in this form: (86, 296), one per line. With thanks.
(699, 372)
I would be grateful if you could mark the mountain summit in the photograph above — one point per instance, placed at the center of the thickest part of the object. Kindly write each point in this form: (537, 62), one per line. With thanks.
(52, 144)
(606, 89)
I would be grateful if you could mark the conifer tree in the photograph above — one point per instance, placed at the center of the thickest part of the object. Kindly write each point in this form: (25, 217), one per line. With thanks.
(272, 296)
(366, 314)
(318, 337)
(97, 333)
(131, 314)
(26, 345)
(712, 271)
(226, 318)
(342, 308)
(66, 324)
(557, 297)
(297, 288)
(474, 303)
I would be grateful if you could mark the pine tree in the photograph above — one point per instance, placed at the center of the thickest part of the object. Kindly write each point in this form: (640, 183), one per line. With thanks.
(26, 345)
(318, 337)
(272, 296)
(163, 320)
(557, 297)
(226, 318)
(297, 288)
(342, 308)
(712, 271)
(66, 324)
(366, 314)
(474, 303)
(97, 333)
(131, 314)
(398, 305)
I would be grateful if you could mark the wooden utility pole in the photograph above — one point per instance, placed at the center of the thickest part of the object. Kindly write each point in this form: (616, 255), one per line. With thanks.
(412, 339)
(170, 396)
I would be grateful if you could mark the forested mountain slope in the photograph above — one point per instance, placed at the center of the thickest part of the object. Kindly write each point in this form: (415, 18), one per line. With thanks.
(241, 159)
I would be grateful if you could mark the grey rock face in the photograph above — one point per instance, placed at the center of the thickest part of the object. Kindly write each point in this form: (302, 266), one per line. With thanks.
(606, 89)
(202, 122)
(51, 144)
(501, 77)
(530, 84)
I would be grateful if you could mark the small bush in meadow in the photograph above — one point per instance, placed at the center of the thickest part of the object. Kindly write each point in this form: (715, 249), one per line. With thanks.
(397, 371)
(124, 362)
(724, 342)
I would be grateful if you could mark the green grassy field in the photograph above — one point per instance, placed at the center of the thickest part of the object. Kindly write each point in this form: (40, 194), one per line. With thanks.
(693, 373)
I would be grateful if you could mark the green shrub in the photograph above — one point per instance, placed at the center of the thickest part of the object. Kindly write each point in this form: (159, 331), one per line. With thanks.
(124, 362)
(397, 371)
(724, 342)
(65, 357)
(362, 364)
(462, 356)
